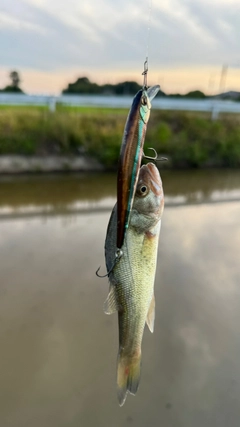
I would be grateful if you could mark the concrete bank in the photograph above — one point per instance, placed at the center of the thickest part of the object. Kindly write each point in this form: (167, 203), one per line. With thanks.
(38, 164)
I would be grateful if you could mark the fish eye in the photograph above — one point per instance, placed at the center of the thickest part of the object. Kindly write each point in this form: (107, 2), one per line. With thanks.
(142, 190)
(144, 100)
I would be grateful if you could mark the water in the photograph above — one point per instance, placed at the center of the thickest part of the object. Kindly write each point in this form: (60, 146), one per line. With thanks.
(58, 349)
(69, 194)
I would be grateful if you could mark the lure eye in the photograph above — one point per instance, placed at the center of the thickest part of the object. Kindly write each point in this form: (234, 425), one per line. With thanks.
(144, 100)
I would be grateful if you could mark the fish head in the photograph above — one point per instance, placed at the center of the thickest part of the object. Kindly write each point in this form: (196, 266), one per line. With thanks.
(148, 202)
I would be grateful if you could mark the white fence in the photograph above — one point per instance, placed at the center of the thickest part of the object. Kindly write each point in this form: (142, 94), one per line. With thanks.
(214, 106)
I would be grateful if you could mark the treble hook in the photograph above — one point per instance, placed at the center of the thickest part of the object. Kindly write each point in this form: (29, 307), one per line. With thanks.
(144, 73)
(105, 275)
(160, 159)
(118, 255)
(151, 158)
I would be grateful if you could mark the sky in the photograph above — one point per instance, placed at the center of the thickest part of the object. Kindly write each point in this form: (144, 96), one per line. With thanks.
(53, 42)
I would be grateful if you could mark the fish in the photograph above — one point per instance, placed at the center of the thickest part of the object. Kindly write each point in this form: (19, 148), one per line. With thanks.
(131, 291)
(131, 155)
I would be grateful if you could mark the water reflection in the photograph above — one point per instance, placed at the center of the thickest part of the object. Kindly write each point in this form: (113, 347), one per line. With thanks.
(58, 349)
(90, 192)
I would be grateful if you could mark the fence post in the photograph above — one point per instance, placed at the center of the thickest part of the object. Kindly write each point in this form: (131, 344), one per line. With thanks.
(215, 111)
(52, 104)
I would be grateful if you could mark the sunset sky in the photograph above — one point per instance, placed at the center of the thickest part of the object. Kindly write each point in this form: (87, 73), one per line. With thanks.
(51, 43)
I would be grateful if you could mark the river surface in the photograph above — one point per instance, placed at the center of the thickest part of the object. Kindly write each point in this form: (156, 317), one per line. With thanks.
(58, 348)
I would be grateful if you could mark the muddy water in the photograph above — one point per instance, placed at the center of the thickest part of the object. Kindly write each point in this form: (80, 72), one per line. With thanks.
(58, 349)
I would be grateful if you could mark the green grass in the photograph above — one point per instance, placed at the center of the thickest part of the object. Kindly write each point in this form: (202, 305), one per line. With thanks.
(23, 107)
(187, 139)
(92, 110)
(66, 109)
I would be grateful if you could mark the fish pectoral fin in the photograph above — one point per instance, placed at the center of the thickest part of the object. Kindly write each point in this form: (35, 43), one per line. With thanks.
(111, 305)
(151, 314)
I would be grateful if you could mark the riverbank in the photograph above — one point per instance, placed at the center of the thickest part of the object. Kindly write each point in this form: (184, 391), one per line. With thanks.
(35, 164)
(60, 141)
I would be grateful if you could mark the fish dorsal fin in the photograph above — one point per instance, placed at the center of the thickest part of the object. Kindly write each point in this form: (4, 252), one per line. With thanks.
(111, 305)
(151, 314)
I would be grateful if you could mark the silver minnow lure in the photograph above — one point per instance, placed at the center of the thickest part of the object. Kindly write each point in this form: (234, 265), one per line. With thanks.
(131, 156)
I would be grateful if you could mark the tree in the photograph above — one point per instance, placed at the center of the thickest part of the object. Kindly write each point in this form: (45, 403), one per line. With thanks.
(82, 85)
(195, 94)
(15, 81)
(15, 78)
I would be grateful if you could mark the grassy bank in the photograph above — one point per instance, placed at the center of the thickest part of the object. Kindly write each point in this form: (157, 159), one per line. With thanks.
(188, 139)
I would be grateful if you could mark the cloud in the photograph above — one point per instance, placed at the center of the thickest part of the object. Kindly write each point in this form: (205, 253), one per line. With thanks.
(196, 33)
(57, 44)
(10, 23)
(108, 36)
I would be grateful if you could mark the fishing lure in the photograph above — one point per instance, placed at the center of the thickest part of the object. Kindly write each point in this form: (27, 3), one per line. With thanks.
(131, 155)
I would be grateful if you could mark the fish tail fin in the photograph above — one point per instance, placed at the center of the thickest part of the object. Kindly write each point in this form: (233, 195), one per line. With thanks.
(128, 375)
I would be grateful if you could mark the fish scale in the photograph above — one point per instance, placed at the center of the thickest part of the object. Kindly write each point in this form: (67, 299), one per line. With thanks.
(138, 282)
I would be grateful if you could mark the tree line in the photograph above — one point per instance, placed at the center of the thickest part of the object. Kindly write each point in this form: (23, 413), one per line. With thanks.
(83, 86)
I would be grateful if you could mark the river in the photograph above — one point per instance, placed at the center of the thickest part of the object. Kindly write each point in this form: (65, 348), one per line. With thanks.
(58, 348)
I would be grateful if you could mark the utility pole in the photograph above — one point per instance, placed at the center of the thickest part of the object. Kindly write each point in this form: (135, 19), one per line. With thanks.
(223, 78)
(211, 84)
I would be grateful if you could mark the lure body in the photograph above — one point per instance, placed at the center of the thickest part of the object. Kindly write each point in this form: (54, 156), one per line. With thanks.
(131, 156)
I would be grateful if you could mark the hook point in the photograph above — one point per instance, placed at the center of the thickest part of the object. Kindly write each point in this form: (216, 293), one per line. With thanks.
(99, 275)
(160, 159)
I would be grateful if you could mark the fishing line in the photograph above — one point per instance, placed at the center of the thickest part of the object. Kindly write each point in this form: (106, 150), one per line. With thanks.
(145, 70)
(148, 27)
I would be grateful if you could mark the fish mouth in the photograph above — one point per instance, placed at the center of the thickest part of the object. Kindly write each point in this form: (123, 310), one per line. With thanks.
(149, 173)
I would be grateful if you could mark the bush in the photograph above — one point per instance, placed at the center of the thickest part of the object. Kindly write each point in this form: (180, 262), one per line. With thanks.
(188, 139)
